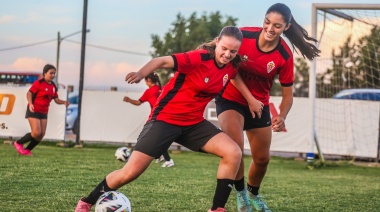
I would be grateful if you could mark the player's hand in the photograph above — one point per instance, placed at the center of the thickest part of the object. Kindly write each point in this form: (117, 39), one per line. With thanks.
(133, 77)
(66, 103)
(256, 107)
(126, 99)
(31, 108)
(278, 124)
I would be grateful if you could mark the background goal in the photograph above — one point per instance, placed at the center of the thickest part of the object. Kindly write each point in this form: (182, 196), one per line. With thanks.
(349, 38)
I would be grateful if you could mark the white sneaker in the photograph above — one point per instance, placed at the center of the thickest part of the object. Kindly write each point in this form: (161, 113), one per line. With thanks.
(160, 159)
(169, 163)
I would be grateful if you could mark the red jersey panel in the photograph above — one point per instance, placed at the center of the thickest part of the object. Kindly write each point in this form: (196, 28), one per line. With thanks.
(151, 95)
(43, 93)
(260, 69)
(196, 82)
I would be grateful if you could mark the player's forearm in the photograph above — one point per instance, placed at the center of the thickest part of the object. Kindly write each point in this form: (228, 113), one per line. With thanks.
(29, 97)
(285, 106)
(242, 87)
(134, 102)
(156, 63)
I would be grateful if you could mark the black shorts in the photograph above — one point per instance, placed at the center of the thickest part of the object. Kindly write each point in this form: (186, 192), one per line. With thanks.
(223, 104)
(157, 136)
(30, 114)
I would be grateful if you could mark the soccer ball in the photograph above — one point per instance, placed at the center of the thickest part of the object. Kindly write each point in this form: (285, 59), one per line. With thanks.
(122, 154)
(113, 201)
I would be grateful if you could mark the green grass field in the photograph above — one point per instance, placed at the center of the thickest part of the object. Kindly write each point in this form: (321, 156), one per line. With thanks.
(55, 178)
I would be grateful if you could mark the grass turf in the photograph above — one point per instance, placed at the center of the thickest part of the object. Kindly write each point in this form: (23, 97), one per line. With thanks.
(55, 178)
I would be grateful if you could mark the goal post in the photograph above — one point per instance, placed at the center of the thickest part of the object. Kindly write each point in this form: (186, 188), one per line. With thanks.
(349, 39)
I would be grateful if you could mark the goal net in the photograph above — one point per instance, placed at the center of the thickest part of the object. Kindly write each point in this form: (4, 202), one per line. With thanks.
(347, 124)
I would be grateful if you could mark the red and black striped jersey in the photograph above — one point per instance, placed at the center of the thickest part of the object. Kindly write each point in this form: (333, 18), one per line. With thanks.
(260, 69)
(196, 82)
(43, 92)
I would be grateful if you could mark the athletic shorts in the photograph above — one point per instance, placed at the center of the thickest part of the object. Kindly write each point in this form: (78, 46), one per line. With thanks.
(223, 104)
(30, 114)
(157, 136)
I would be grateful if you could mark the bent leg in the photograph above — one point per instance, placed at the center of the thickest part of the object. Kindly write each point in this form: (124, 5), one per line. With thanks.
(224, 147)
(260, 140)
(232, 123)
(136, 165)
(35, 126)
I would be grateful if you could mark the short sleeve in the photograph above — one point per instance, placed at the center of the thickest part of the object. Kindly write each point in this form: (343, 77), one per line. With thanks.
(146, 95)
(286, 75)
(187, 62)
(35, 86)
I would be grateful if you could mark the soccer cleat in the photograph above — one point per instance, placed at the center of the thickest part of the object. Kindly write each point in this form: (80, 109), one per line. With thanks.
(160, 159)
(27, 152)
(258, 204)
(242, 201)
(83, 206)
(169, 163)
(218, 210)
(19, 147)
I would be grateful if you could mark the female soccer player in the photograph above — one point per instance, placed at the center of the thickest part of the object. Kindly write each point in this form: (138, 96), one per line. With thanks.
(39, 97)
(150, 95)
(267, 55)
(178, 116)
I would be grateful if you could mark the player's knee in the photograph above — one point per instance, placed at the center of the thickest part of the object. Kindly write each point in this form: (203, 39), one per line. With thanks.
(234, 154)
(36, 135)
(262, 161)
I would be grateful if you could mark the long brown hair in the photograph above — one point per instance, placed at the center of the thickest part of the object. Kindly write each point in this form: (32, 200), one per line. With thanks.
(230, 31)
(296, 34)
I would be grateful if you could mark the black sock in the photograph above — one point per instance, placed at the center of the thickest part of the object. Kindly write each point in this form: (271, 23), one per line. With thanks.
(254, 190)
(239, 184)
(27, 137)
(33, 143)
(166, 155)
(97, 192)
(222, 192)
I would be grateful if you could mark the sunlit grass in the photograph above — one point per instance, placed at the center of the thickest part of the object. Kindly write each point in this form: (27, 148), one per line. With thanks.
(55, 178)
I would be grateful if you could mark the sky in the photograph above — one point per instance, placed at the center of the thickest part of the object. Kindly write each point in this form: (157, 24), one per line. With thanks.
(125, 25)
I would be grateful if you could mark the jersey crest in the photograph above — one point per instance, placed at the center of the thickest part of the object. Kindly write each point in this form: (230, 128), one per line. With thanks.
(270, 66)
(225, 79)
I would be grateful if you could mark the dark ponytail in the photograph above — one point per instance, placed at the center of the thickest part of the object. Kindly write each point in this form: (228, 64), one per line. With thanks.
(296, 34)
(154, 79)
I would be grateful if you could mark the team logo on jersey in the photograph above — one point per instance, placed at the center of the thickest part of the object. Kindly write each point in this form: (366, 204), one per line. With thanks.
(270, 66)
(225, 79)
(46, 89)
(206, 80)
(53, 90)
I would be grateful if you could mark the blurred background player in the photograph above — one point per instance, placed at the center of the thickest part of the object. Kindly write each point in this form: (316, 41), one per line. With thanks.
(39, 97)
(266, 55)
(150, 95)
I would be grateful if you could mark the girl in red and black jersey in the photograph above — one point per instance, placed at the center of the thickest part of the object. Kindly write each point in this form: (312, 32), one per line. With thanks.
(150, 95)
(178, 116)
(267, 55)
(39, 97)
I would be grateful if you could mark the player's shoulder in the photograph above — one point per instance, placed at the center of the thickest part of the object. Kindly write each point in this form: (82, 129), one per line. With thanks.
(284, 49)
(251, 32)
(250, 28)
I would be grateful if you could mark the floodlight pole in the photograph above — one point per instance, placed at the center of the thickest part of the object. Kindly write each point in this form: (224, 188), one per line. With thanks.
(82, 58)
(59, 40)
